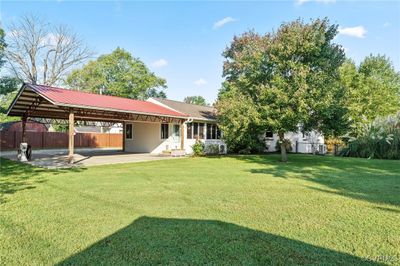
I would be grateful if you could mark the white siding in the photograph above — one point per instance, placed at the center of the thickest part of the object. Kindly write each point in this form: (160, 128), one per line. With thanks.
(190, 142)
(146, 137)
(304, 144)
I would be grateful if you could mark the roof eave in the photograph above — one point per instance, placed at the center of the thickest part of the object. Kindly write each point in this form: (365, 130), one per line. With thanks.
(87, 107)
(117, 110)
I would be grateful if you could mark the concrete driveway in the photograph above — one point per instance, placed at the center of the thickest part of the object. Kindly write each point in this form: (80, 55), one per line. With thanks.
(84, 157)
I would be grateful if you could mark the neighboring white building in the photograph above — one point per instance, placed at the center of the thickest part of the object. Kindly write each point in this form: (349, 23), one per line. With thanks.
(157, 138)
(99, 128)
(312, 142)
(116, 128)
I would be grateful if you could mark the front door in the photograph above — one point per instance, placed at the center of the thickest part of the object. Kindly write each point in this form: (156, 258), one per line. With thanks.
(176, 134)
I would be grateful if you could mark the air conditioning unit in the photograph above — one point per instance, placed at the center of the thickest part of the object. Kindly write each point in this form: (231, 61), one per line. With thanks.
(222, 149)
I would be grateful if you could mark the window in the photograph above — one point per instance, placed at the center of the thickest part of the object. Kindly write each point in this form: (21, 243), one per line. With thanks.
(189, 130)
(213, 131)
(269, 134)
(209, 131)
(176, 131)
(201, 130)
(128, 131)
(196, 130)
(164, 131)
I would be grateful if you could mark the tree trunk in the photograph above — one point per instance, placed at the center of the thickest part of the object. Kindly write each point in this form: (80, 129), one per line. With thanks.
(283, 147)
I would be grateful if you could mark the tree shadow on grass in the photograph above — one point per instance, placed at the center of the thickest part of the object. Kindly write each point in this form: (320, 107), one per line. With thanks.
(152, 240)
(376, 181)
(16, 176)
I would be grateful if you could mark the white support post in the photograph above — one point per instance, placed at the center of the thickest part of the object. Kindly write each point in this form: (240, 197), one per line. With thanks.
(71, 138)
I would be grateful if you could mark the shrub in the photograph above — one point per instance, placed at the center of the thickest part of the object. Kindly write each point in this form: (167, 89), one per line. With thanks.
(333, 145)
(198, 148)
(379, 139)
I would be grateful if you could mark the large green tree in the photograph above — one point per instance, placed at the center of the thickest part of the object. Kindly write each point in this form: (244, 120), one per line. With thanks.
(8, 85)
(284, 79)
(373, 89)
(199, 100)
(118, 74)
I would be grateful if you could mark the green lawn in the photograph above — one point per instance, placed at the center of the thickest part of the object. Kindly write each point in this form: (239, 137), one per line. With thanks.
(221, 210)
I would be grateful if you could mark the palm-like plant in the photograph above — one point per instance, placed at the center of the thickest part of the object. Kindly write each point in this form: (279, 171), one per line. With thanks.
(379, 139)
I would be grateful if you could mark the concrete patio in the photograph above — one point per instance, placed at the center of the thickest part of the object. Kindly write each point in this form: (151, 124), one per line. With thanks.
(58, 158)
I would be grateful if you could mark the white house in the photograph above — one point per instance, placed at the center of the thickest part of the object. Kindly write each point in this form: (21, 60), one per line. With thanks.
(201, 125)
(158, 138)
(312, 142)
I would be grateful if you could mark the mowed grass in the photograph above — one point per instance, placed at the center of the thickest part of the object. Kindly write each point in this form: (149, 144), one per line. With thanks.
(231, 210)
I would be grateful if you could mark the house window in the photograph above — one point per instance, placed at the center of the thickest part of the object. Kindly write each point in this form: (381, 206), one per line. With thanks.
(196, 130)
(128, 131)
(269, 135)
(209, 130)
(189, 130)
(164, 131)
(213, 131)
(201, 130)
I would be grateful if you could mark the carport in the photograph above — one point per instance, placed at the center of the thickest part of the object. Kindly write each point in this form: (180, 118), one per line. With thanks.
(51, 103)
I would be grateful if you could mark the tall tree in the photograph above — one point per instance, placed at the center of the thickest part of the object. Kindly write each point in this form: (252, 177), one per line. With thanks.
(118, 74)
(199, 100)
(8, 85)
(3, 46)
(373, 89)
(40, 53)
(286, 77)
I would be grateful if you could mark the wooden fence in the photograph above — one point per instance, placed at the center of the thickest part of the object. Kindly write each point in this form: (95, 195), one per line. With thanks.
(51, 140)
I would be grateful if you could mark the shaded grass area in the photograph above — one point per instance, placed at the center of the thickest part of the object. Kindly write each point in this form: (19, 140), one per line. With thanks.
(152, 240)
(372, 180)
(218, 210)
(16, 176)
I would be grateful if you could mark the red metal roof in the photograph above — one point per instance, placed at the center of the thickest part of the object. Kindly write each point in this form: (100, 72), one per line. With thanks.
(75, 98)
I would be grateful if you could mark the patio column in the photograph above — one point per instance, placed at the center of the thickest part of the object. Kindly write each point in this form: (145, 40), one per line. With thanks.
(182, 135)
(24, 118)
(71, 138)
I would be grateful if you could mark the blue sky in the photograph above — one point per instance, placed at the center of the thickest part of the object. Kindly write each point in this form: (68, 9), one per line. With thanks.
(183, 41)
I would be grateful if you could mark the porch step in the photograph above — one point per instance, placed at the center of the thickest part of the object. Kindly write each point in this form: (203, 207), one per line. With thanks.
(174, 153)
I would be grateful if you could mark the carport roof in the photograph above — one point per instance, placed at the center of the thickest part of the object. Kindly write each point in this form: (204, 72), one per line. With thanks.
(52, 102)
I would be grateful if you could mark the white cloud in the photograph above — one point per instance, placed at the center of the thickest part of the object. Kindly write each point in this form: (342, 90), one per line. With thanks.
(159, 63)
(223, 21)
(300, 2)
(200, 82)
(358, 31)
(387, 24)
